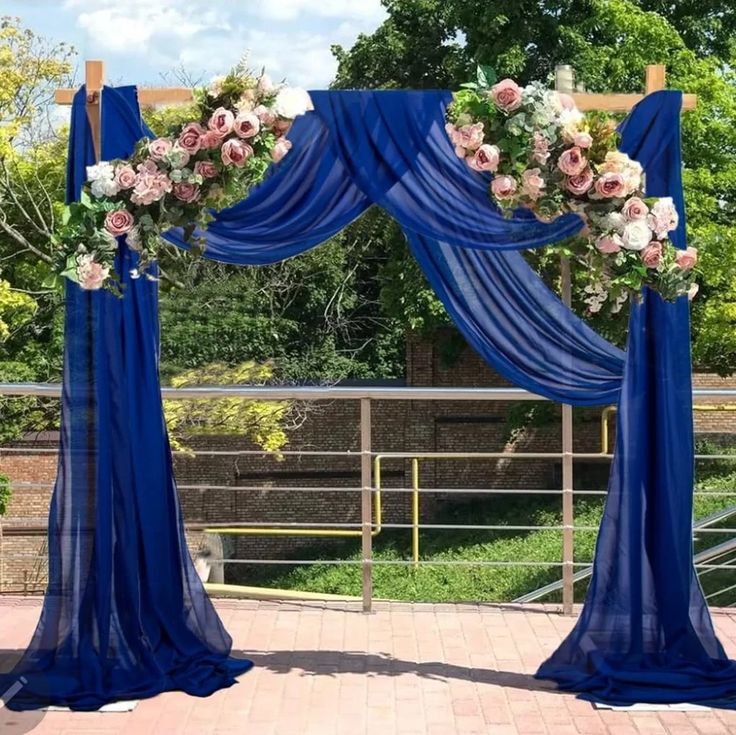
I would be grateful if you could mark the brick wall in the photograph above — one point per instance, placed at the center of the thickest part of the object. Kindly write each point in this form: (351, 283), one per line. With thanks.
(252, 488)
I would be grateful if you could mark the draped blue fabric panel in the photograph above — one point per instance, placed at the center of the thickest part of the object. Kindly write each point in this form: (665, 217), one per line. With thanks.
(518, 326)
(645, 633)
(125, 614)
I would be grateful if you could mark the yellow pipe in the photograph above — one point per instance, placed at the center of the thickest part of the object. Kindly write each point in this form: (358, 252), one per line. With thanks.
(316, 532)
(415, 512)
(608, 410)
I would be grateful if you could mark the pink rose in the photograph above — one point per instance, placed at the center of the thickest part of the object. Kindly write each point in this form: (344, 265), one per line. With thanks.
(663, 217)
(267, 117)
(687, 259)
(91, 274)
(206, 169)
(246, 125)
(486, 158)
(582, 139)
(532, 183)
(572, 161)
(503, 187)
(186, 192)
(118, 221)
(460, 152)
(280, 149)
(566, 101)
(506, 95)
(610, 185)
(159, 147)
(151, 184)
(541, 148)
(580, 183)
(125, 176)
(608, 244)
(469, 137)
(190, 138)
(211, 139)
(651, 255)
(281, 127)
(235, 153)
(222, 121)
(635, 208)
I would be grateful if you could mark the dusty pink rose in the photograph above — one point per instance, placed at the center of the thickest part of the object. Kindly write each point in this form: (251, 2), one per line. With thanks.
(281, 127)
(222, 121)
(211, 139)
(572, 161)
(608, 244)
(566, 101)
(610, 185)
(186, 192)
(486, 158)
(503, 187)
(266, 116)
(663, 217)
(119, 221)
(469, 137)
(151, 184)
(582, 139)
(506, 95)
(541, 148)
(246, 125)
(159, 147)
(206, 169)
(580, 183)
(635, 208)
(91, 274)
(235, 153)
(651, 255)
(125, 176)
(532, 183)
(190, 138)
(687, 259)
(280, 149)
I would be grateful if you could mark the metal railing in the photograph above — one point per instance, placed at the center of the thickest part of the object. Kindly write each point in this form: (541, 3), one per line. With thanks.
(371, 487)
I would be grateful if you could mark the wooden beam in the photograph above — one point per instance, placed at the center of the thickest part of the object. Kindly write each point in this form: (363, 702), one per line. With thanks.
(147, 96)
(621, 102)
(655, 75)
(94, 77)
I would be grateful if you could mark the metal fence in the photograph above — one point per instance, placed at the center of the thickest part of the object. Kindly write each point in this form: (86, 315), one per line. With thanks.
(721, 556)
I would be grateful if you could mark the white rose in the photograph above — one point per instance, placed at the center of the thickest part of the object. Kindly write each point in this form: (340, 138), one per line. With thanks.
(615, 221)
(215, 85)
(636, 235)
(292, 101)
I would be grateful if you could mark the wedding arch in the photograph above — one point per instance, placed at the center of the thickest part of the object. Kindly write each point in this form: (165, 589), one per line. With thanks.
(125, 615)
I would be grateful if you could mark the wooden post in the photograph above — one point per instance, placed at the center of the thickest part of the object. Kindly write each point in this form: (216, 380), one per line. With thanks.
(94, 77)
(655, 74)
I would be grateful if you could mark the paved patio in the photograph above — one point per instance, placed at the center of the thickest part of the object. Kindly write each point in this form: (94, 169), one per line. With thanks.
(327, 669)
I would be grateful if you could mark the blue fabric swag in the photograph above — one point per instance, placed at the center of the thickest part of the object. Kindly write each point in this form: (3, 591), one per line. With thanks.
(125, 615)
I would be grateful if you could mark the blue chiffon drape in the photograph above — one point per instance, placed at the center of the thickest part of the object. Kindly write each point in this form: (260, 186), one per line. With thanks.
(645, 633)
(126, 616)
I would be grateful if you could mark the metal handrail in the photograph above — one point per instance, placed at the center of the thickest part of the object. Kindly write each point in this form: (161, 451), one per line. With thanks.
(699, 558)
(329, 392)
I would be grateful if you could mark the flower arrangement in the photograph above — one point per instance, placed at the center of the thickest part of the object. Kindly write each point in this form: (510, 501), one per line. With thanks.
(239, 127)
(547, 156)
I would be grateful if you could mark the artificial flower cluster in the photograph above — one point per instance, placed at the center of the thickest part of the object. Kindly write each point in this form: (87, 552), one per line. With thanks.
(175, 180)
(547, 156)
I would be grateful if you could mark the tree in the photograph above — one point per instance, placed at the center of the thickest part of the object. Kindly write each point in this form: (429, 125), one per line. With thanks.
(433, 43)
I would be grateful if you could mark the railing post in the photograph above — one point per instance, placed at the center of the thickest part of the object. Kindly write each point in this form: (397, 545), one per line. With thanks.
(568, 513)
(366, 504)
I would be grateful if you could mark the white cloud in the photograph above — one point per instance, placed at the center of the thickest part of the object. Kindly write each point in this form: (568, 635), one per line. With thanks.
(291, 38)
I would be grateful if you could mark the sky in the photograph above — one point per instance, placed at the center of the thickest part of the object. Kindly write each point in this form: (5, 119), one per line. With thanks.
(143, 41)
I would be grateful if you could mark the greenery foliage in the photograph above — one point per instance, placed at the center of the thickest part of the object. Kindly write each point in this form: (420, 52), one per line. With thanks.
(5, 493)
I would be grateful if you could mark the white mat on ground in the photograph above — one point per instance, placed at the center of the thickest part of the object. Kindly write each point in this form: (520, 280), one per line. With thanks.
(112, 707)
(644, 707)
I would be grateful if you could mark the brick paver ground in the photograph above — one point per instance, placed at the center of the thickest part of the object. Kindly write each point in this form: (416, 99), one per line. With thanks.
(406, 669)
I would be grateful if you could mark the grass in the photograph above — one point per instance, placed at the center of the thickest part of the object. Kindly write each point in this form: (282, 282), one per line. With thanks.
(469, 582)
